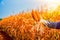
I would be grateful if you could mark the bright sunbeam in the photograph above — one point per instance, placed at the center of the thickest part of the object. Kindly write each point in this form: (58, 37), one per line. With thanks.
(52, 4)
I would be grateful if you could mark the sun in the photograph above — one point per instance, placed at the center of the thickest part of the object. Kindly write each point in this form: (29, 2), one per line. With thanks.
(52, 4)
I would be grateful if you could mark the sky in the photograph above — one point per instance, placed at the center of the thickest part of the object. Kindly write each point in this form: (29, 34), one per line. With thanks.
(10, 7)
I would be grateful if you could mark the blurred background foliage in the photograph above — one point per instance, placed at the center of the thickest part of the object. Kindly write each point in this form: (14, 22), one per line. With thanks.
(0, 19)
